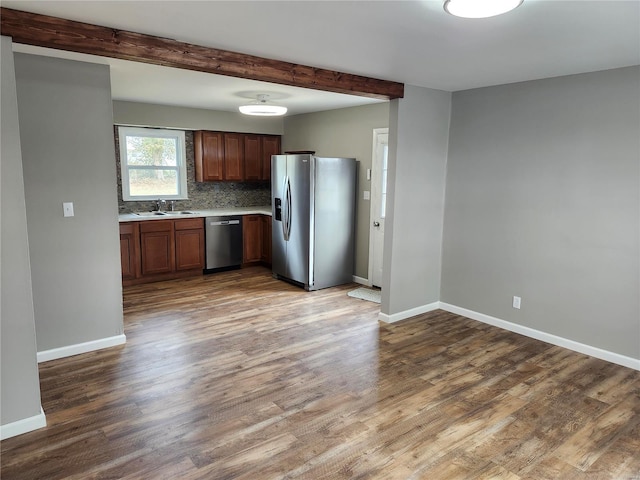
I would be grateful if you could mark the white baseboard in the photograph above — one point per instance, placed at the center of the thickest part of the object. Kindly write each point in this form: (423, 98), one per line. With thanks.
(23, 426)
(79, 348)
(396, 317)
(545, 337)
(362, 281)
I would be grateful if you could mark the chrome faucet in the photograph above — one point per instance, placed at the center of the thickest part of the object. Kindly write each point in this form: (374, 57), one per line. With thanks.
(159, 205)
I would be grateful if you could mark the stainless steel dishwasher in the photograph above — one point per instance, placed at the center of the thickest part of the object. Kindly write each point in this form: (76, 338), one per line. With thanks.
(223, 237)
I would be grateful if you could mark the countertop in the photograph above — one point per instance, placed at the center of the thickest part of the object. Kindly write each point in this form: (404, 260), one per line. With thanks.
(216, 212)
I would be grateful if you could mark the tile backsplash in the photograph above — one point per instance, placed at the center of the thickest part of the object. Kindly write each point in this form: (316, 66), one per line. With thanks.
(202, 195)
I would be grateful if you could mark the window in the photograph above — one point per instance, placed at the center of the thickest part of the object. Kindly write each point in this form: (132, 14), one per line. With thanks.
(153, 164)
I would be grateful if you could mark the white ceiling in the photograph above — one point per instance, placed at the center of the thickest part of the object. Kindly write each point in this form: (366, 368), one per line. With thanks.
(413, 42)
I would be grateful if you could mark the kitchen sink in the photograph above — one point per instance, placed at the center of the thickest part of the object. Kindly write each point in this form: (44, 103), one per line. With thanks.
(153, 214)
(149, 214)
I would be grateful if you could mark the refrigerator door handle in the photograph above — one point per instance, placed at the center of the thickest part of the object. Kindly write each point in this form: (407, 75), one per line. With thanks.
(286, 209)
(289, 203)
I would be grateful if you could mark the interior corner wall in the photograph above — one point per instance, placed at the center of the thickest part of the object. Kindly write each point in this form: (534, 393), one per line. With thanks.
(20, 387)
(345, 132)
(66, 131)
(418, 142)
(543, 202)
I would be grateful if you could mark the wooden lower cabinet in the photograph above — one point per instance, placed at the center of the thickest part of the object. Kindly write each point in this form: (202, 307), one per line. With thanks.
(157, 247)
(130, 250)
(256, 239)
(265, 255)
(251, 238)
(157, 250)
(189, 238)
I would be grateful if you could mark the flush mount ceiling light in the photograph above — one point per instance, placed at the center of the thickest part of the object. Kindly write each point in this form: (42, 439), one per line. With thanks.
(261, 108)
(480, 8)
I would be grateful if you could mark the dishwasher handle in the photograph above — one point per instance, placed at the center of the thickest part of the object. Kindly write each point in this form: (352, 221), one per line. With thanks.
(224, 223)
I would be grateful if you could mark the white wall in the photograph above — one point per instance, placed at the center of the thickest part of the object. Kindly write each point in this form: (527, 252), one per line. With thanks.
(418, 141)
(66, 131)
(543, 202)
(20, 388)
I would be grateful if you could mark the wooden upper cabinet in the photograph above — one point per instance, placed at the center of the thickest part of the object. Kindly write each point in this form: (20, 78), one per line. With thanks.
(209, 156)
(233, 156)
(270, 146)
(252, 158)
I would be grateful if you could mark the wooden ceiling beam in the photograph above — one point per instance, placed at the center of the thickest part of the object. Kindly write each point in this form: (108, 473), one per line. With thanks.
(62, 34)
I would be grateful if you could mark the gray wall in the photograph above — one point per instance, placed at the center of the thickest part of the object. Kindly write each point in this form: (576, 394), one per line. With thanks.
(66, 131)
(543, 202)
(418, 140)
(20, 388)
(167, 116)
(346, 132)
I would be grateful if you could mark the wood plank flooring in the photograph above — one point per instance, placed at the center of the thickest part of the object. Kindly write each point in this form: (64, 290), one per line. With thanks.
(239, 376)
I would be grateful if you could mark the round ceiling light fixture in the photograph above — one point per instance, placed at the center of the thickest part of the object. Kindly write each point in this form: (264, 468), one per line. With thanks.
(480, 8)
(262, 108)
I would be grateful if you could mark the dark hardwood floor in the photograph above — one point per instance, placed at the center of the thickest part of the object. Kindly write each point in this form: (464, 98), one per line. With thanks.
(239, 376)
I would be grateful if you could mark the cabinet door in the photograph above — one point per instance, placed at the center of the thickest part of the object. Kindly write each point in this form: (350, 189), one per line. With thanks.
(189, 249)
(157, 247)
(270, 146)
(129, 242)
(189, 243)
(209, 156)
(266, 239)
(251, 238)
(252, 158)
(233, 156)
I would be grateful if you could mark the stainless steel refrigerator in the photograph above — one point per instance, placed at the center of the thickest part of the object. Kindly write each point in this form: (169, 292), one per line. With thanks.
(313, 219)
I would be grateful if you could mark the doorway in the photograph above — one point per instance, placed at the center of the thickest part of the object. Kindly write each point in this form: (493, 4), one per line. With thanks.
(378, 203)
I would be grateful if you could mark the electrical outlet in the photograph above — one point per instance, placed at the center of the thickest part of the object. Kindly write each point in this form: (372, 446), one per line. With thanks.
(366, 195)
(516, 302)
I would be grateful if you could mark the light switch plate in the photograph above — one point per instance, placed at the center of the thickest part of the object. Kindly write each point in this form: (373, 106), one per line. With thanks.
(67, 209)
(366, 195)
(517, 302)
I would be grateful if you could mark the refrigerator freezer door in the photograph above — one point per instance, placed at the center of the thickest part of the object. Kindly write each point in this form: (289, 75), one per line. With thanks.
(278, 244)
(298, 221)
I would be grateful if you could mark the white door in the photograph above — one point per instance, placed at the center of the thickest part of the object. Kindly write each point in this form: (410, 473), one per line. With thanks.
(378, 203)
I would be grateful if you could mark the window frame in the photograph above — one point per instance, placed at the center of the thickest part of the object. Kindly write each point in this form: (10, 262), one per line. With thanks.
(180, 168)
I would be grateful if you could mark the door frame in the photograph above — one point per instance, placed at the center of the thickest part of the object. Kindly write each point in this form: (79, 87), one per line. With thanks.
(376, 133)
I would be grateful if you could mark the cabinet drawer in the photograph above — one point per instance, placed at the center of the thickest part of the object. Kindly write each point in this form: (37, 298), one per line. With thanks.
(156, 226)
(127, 228)
(189, 223)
